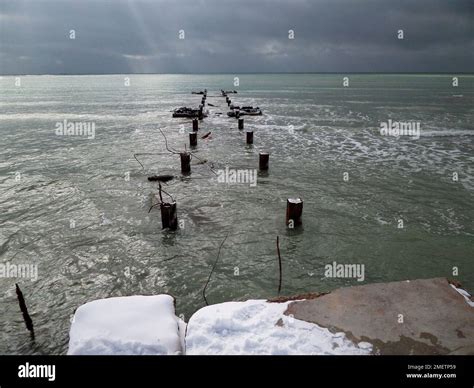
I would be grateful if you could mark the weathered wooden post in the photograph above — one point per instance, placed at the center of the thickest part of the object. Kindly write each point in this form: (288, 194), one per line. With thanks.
(249, 137)
(195, 125)
(201, 115)
(203, 101)
(294, 211)
(193, 139)
(263, 158)
(169, 216)
(241, 123)
(229, 102)
(185, 162)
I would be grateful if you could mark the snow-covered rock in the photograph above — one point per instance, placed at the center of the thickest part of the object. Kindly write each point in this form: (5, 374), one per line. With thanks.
(260, 327)
(127, 325)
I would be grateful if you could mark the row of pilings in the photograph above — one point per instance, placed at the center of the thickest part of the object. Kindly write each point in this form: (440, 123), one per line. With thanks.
(294, 208)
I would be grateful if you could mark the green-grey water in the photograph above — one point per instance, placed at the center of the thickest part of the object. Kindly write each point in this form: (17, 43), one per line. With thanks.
(78, 207)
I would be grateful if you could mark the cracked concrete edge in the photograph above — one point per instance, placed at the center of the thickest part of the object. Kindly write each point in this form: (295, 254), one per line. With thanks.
(428, 343)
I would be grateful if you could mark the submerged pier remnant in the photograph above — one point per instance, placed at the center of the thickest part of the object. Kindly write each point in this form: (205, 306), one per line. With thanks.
(195, 125)
(188, 112)
(185, 162)
(249, 137)
(294, 212)
(263, 161)
(241, 121)
(169, 215)
(193, 140)
(160, 178)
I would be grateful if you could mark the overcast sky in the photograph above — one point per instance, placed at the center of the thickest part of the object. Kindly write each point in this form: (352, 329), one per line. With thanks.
(235, 36)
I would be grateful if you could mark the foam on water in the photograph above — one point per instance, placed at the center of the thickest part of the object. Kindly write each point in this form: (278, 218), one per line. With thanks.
(450, 132)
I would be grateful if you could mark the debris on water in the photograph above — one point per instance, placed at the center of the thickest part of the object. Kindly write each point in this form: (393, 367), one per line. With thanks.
(224, 92)
(188, 112)
(244, 111)
(160, 178)
(206, 135)
(24, 310)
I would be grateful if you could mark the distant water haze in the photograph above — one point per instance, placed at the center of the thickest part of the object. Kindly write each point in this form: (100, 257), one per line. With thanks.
(76, 204)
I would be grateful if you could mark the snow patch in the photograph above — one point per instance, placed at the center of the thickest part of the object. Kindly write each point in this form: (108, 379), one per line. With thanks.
(127, 325)
(258, 327)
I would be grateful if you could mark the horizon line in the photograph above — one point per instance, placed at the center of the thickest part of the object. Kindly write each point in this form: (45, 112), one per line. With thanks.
(247, 73)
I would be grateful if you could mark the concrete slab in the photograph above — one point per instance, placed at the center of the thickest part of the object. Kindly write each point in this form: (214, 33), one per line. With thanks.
(409, 317)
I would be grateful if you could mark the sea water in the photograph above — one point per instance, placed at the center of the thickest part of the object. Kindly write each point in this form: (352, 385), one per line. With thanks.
(77, 206)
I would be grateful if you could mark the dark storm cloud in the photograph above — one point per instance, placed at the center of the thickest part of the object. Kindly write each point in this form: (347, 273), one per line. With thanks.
(235, 36)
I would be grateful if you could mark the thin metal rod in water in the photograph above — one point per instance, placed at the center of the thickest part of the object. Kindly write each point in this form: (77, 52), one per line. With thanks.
(279, 264)
(212, 270)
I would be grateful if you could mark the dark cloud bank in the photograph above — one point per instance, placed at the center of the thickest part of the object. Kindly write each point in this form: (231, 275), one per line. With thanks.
(142, 36)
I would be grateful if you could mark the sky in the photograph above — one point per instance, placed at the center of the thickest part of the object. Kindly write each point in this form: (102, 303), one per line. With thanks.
(235, 36)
